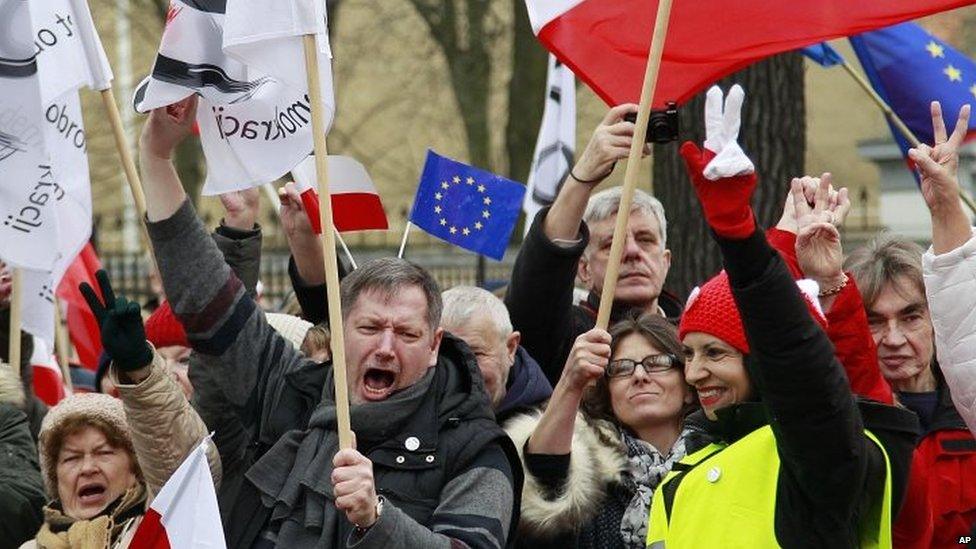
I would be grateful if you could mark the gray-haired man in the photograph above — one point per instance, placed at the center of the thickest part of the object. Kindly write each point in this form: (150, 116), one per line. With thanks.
(572, 238)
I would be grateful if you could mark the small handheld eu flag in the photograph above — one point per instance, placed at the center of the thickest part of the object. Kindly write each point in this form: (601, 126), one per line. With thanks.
(466, 206)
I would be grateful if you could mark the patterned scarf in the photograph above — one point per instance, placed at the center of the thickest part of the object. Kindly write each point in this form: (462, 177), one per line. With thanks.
(63, 532)
(646, 469)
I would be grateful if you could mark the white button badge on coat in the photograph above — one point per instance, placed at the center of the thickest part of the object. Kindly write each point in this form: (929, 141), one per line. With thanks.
(714, 474)
(412, 443)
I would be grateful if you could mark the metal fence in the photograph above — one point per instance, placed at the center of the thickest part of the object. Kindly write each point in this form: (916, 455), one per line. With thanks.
(130, 276)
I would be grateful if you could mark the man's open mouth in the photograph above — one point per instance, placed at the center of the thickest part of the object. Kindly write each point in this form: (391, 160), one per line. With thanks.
(378, 383)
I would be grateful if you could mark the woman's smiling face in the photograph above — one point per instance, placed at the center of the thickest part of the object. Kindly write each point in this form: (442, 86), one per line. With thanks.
(716, 370)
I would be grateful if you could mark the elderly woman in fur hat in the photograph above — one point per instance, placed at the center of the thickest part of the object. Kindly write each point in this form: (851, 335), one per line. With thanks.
(104, 458)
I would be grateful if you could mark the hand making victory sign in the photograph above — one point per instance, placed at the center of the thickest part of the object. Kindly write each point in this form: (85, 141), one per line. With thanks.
(120, 322)
(938, 168)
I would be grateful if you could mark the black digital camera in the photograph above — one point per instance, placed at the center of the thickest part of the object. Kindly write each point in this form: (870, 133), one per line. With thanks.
(662, 126)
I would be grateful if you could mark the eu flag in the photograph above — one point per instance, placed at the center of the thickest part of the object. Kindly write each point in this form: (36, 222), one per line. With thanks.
(910, 68)
(467, 207)
(823, 54)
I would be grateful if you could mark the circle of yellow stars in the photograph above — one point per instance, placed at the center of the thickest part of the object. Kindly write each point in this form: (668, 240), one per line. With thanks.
(954, 74)
(485, 201)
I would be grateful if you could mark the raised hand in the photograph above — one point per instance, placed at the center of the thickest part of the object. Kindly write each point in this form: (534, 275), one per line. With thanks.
(120, 321)
(588, 359)
(241, 208)
(818, 246)
(723, 176)
(167, 127)
(610, 142)
(938, 166)
(294, 220)
(809, 184)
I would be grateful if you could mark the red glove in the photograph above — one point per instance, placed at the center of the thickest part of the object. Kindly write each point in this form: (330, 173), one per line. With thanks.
(726, 201)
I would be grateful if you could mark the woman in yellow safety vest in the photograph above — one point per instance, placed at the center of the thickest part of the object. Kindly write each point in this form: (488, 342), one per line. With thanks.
(794, 461)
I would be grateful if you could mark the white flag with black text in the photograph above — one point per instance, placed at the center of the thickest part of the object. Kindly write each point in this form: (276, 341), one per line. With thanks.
(67, 55)
(554, 150)
(244, 59)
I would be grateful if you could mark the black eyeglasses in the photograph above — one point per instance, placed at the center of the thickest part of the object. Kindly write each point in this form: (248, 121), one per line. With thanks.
(652, 364)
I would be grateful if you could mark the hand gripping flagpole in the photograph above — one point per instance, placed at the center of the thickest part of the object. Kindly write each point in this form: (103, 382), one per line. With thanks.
(16, 303)
(633, 161)
(896, 120)
(328, 244)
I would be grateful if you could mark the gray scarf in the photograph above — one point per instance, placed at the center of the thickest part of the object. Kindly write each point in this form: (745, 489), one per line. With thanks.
(646, 469)
(294, 476)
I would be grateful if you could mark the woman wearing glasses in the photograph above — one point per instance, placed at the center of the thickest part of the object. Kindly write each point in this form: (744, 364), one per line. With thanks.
(590, 474)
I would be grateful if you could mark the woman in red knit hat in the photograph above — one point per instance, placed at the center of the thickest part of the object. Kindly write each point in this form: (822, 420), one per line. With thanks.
(794, 459)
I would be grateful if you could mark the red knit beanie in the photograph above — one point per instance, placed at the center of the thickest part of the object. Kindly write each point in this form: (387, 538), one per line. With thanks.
(163, 329)
(712, 310)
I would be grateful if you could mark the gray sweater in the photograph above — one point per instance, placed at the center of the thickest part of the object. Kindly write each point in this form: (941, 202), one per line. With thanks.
(251, 365)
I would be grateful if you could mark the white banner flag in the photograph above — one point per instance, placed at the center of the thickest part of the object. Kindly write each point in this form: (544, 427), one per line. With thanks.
(554, 150)
(27, 188)
(245, 61)
(68, 56)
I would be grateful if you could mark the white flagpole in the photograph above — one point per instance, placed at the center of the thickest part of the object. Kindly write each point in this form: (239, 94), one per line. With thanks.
(61, 342)
(403, 243)
(345, 249)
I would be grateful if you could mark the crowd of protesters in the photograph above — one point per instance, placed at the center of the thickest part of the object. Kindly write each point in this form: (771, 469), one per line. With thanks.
(797, 398)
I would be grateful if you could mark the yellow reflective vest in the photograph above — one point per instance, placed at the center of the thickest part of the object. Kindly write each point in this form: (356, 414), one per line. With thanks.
(726, 497)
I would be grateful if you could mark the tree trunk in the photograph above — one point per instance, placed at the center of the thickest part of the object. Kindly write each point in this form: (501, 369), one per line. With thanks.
(526, 94)
(773, 135)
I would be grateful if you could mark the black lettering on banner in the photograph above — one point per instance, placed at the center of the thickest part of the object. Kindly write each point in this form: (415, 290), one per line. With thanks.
(283, 123)
(49, 37)
(68, 128)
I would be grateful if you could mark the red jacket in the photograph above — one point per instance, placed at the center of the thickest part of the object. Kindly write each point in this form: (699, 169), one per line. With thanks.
(947, 453)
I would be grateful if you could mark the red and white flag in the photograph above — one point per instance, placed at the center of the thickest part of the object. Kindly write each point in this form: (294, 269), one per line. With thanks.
(48, 379)
(82, 325)
(356, 205)
(606, 43)
(184, 514)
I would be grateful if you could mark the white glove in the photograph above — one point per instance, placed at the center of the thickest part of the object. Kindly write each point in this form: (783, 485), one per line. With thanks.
(721, 133)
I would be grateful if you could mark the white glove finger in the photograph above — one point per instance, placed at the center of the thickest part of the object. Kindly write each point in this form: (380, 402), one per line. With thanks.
(732, 117)
(714, 140)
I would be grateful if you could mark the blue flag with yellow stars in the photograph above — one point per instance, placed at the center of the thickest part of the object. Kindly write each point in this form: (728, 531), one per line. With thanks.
(467, 207)
(910, 68)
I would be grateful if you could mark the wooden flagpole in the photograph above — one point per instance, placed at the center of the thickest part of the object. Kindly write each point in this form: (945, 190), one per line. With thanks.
(633, 161)
(61, 343)
(16, 302)
(328, 244)
(128, 165)
(896, 120)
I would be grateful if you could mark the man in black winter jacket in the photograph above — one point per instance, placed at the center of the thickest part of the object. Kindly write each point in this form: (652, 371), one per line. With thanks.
(572, 238)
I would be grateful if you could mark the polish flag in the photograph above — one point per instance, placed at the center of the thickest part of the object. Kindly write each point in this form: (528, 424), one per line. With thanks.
(48, 381)
(185, 512)
(356, 205)
(82, 326)
(606, 43)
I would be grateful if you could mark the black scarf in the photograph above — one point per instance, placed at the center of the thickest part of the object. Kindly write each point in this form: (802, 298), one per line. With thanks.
(294, 476)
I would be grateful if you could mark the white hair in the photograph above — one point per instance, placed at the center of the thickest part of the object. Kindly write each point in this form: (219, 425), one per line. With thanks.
(463, 303)
(606, 203)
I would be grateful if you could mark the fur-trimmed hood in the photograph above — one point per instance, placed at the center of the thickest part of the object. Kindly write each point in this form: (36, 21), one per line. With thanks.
(598, 459)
